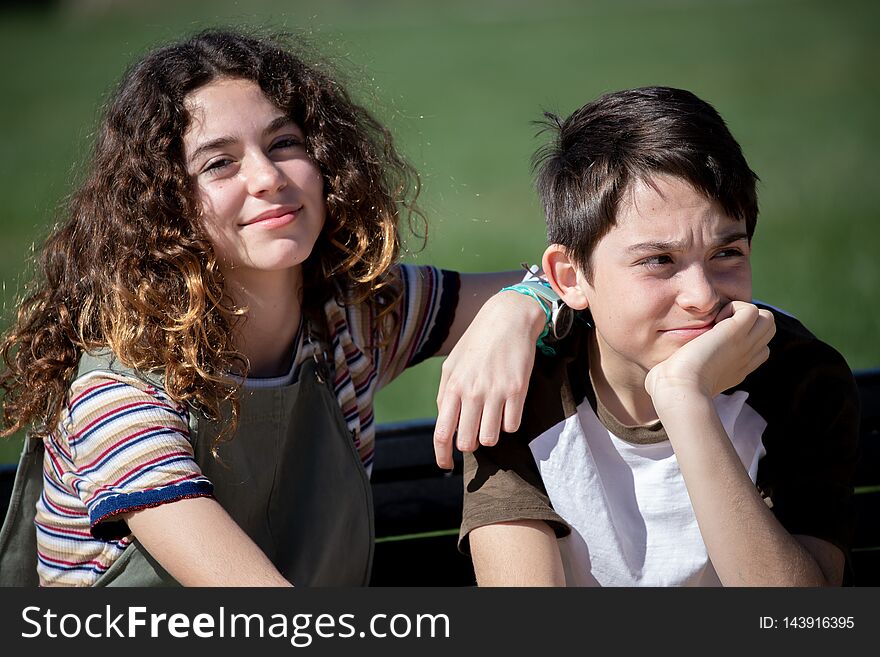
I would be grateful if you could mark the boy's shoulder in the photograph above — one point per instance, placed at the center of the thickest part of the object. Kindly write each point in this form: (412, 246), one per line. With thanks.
(558, 383)
(799, 365)
(798, 356)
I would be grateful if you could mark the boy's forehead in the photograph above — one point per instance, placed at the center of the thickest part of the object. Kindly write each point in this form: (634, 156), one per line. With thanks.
(664, 208)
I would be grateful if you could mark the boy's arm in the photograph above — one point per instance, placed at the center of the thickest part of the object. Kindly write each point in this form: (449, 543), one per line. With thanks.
(199, 544)
(517, 553)
(508, 524)
(748, 546)
(491, 347)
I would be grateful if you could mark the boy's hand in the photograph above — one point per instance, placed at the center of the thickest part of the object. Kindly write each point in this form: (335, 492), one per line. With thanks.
(716, 360)
(486, 375)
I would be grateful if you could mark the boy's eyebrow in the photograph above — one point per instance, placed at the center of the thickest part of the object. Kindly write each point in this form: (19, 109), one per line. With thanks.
(221, 142)
(730, 238)
(655, 246)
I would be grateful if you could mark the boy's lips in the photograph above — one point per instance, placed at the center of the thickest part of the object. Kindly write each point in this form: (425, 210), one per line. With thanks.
(689, 330)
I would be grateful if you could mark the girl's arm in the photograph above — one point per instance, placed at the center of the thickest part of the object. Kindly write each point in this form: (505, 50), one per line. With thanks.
(475, 291)
(491, 351)
(199, 544)
(137, 464)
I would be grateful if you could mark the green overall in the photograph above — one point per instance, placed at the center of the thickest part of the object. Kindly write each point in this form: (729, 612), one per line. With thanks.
(291, 478)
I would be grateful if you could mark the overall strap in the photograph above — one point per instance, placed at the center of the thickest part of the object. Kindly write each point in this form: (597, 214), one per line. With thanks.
(104, 360)
(317, 331)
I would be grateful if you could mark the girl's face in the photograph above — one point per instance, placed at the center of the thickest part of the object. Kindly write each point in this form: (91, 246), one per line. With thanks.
(262, 196)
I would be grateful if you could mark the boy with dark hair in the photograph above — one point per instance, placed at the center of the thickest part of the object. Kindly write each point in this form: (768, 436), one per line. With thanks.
(682, 434)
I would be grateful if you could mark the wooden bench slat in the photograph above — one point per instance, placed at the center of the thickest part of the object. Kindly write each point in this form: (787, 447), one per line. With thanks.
(868, 465)
(867, 533)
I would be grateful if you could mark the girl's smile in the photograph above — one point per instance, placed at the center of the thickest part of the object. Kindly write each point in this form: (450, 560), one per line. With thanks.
(274, 218)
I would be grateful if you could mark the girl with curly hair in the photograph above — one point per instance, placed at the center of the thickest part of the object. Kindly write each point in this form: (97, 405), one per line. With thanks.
(198, 354)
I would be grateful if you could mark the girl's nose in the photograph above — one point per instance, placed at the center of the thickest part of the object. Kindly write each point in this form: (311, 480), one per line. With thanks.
(264, 176)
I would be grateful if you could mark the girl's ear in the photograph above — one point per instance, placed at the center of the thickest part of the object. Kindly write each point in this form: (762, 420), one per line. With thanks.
(562, 274)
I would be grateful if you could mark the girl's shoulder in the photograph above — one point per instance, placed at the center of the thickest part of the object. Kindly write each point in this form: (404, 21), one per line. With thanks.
(105, 362)
(357, 318)
(399, 299)
(104, 388)
(103, 380)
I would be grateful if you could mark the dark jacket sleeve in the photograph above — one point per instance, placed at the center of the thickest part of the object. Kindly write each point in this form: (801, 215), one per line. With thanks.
(810, 399)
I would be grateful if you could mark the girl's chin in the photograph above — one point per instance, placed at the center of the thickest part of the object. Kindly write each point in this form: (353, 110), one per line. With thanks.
(264, 266)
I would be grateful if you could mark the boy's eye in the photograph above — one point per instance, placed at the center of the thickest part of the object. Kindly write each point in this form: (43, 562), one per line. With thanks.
(656, 261)
(729, 253)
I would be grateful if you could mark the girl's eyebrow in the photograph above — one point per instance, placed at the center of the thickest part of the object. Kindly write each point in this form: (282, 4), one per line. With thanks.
(221, 142)
(214, 144)
(276, 124)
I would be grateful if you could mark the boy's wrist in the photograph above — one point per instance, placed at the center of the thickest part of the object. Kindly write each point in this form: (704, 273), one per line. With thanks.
(686, 415)
(674, 396)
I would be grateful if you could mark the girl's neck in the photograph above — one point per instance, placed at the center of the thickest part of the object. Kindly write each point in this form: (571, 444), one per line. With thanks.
(619, 386)
(273, 301)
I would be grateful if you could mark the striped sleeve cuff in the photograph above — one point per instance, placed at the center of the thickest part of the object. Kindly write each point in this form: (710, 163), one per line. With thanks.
(104, 516)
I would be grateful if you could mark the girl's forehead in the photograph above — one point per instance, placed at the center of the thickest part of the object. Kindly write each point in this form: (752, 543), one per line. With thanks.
(229, 109)
(225, 96)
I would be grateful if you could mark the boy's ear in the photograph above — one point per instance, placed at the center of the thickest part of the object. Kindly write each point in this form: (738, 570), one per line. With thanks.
(562, 274)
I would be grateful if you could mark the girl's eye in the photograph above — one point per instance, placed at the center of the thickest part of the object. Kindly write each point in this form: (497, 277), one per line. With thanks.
(287, 142)
(216, 167)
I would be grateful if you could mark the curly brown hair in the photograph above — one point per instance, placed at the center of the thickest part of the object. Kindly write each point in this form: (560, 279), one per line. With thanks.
(130, 269)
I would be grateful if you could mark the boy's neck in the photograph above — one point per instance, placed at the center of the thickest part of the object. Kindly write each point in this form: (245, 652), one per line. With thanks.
(620, 389)
(274, 307)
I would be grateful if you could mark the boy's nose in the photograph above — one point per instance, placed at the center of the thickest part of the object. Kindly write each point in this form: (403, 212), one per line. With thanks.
(697, 291)
(264, 176)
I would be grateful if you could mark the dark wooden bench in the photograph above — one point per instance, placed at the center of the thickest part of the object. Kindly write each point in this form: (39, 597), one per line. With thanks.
(866, 546)
(418, 506)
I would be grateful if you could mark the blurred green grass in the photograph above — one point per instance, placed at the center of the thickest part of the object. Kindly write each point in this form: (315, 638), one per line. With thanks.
(459, 83)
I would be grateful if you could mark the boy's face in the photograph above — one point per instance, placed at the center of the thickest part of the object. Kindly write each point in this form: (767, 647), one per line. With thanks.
(662, 274)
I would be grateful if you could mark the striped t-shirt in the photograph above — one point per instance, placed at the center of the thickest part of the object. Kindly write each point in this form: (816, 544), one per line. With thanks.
(122, 444)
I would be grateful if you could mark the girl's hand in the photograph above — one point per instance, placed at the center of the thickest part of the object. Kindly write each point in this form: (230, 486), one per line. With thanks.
(486, 375)
(716, 360)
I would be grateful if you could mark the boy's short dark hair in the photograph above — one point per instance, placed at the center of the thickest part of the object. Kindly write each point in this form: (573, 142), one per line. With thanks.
(627, 136)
